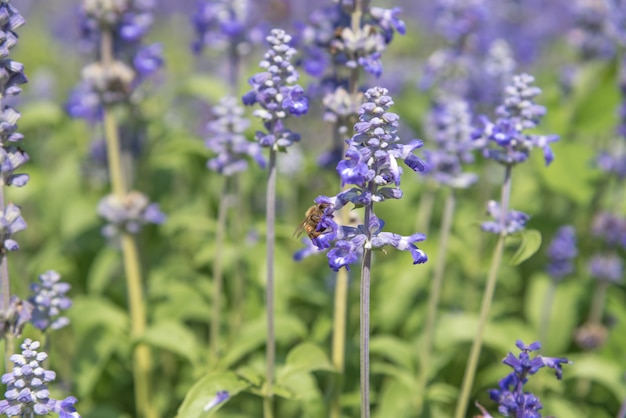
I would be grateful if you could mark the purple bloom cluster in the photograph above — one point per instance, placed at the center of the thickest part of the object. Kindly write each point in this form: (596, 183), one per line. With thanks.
(49, 300)
(109, 83)
(329, 32)
(128, 214)
(27, 390)
(227, 140)
(561, 252)
(11, 221)
(591, 34)
(276, 91)
(516, 114)
(450, 127)
(471, 66)
(512, 399)
(611, 229)
(371, 165)
(514, 221)
(222, 23)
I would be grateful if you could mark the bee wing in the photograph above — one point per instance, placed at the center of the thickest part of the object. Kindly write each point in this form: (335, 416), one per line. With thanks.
(299, 230)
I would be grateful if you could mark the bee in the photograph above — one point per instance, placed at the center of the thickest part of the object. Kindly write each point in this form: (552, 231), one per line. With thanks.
(312, 218)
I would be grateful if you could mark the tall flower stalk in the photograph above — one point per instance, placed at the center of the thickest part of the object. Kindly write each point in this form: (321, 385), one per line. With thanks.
(451, 129)
(226, 138)
(351, 36)
(371, 166)
(512, 145)
(224, 25)
(11, 159)
(116, 32)
(278, 95)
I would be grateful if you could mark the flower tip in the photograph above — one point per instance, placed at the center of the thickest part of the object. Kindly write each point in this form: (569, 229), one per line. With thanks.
(220, 396)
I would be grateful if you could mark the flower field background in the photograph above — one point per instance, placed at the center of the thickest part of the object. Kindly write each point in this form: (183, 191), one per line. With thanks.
(189, 295)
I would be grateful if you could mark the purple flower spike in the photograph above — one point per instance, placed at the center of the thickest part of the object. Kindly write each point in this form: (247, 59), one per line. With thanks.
(511, 398)
(371, 165)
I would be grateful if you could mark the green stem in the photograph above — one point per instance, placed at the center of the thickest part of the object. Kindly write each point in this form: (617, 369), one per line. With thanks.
(220, 234)
(269, 295)
(141, 352)
(238, 282)
(365, 312)
(472, 364)
(433, 301)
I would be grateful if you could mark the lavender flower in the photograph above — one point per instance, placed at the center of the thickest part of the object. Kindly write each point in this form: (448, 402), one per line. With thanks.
(450, 127)
(128, 214)
(561, 252)
(606, 267)
(27, 390)
(516, 114)
(514, 221)
(512, 400)
(114, 82)
(276, 92)
(591, 33)
(329, 31)
(610, 228)
(11, 221)
(49, 300)
(227, 140)
(220, 23)
(370, 165)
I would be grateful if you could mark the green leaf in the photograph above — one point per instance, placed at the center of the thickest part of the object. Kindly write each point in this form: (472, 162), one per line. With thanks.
(398, 351)
(304, 358)
(253, 335)
(599, 370)
(103, 270)
(204, 390)
(174, 337)
(94, 350)
(531, 241)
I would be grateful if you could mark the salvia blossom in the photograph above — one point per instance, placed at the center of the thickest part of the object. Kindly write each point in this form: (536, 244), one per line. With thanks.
(610, 228)
(11, 156)
(561, 252)
(222, 23)
(128, 214)
(516, 114)
(27, 387)
(510, 395)
(14, 317)
(127, 21)
(328, 37)
(514, 221)
(591, 32)
(11, 221)
(607, 267)
(371, 166)
(276, 91)
(226, 138)
(220, 397)
(49, 300)
(450, 127)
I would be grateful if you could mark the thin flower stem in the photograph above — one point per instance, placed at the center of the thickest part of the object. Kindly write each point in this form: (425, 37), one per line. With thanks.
(365, 317)
(239, 284)
(269, 295)
(472, 363)
(141, 352)
(220, 234)
(433, 301)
